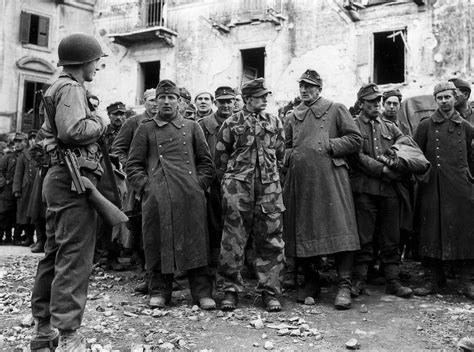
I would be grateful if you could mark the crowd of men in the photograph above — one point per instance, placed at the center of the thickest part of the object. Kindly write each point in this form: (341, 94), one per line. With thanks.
(209, 191)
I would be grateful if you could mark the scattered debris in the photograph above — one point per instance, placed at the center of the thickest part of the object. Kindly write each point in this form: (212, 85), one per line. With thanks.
(352, 344)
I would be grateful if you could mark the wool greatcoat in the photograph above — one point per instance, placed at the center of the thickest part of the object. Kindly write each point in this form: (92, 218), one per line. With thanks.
(320, 217)
(170, 166)
(25, 172)
(447, 199)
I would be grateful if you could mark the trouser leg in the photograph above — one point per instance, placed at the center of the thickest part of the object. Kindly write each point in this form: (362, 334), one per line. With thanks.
(389, 219)
(200, 283)
(214, 220)
(344, 265)
(366, 215)
(268, 238)
(237, 212)
(63, 275)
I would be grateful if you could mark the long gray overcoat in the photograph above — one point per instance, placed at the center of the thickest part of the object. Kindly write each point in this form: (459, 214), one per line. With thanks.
(320, 217)
(446, 219)
(170, 166)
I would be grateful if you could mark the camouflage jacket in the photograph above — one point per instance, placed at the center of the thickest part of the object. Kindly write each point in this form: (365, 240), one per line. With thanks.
(247, 141)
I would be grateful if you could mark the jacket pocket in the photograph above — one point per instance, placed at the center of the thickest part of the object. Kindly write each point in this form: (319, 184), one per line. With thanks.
(270, 207)
(340, 162)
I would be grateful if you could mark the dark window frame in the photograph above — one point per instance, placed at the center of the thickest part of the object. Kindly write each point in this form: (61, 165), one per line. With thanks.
(34, 29)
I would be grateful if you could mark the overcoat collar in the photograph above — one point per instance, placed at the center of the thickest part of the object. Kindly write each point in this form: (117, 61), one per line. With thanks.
(177, 121)
(437, 117)
(365, 119)
(318, 108)
(210, 123)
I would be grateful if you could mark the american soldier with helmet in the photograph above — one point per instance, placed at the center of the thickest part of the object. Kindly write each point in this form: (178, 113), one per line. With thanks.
(60, 290)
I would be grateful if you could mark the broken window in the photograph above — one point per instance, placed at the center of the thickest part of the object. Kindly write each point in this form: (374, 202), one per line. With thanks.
(32, 118)
(34, 29)
(149, 76)
(389, 57)
(253, 64)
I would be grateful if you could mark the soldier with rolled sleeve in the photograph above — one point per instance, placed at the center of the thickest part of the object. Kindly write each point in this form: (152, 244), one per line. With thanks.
(169, 167)
(375, 197)
(60, 290)
(249, 155)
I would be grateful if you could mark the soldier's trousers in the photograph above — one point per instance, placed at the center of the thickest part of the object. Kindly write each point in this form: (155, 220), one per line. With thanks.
(60, 289)
(382, 213)
(252, 208)
(214, 221)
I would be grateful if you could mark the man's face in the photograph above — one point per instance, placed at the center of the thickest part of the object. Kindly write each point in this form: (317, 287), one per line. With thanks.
(225, 107)
(117, 119)
(309, 92)
(183, 105)
(20, 144)
(167, 105)
(90, 69)
(463, 96)
(150, 106)
(239, 103)
(372, 107)
(391, 106)
(257, 104)
(203, 102)
(446, 100)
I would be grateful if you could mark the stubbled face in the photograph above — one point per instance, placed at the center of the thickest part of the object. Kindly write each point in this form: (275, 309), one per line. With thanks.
(225, 107)
(150, 106)
(239, 103)
(372, 107)
(117, 119)
(167, 105)
(462, 97)
(391, 106)
(257, 104)
(203, 103)
(90, 69)
(446, 100)
(309, 92)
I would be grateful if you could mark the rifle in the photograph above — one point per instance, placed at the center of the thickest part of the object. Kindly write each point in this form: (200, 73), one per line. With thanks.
(110, 213)
(69, 157)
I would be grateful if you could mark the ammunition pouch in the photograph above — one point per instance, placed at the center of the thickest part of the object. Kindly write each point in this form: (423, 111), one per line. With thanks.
(88, 158)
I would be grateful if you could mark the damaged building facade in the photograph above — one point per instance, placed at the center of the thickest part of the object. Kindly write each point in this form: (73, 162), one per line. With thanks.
(29, 37)
(201, 44)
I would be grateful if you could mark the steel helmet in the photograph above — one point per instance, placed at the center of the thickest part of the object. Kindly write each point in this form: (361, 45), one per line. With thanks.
(78, 48)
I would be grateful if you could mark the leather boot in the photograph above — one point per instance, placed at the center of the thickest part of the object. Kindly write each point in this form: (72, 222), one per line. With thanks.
(71, 341)
(434, 278)
(312, 287)
(344, 262)
(359, 280)
(393, 284)
(45, 337)
(40, 229)
(290, 280)
(466, 279)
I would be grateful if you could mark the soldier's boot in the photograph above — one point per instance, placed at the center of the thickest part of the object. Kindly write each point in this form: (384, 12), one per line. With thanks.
(359, 280)
(29, 234)
(40, 229)
(290, 280)
(434, 278)
(344, 263)
(393, 284)
(312, 286)
(17, 231)
(45, 337)
(229, 303)
(71, 341)
(466, 279)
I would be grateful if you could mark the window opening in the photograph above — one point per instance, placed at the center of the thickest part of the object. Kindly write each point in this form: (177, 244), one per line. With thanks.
(253, 64)
(32, 117)
(389, 57)
(150, 76)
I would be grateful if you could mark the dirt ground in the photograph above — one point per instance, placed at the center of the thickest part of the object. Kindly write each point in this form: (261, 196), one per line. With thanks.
(117, 319)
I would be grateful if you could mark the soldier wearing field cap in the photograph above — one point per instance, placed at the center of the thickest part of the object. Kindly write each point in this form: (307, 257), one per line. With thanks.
(463, 105)
(445, 199)
(375, 196)
(249, 156)
(184, 104)
(224, 99)
(320, 134)
(391, 100)
(170, 168)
